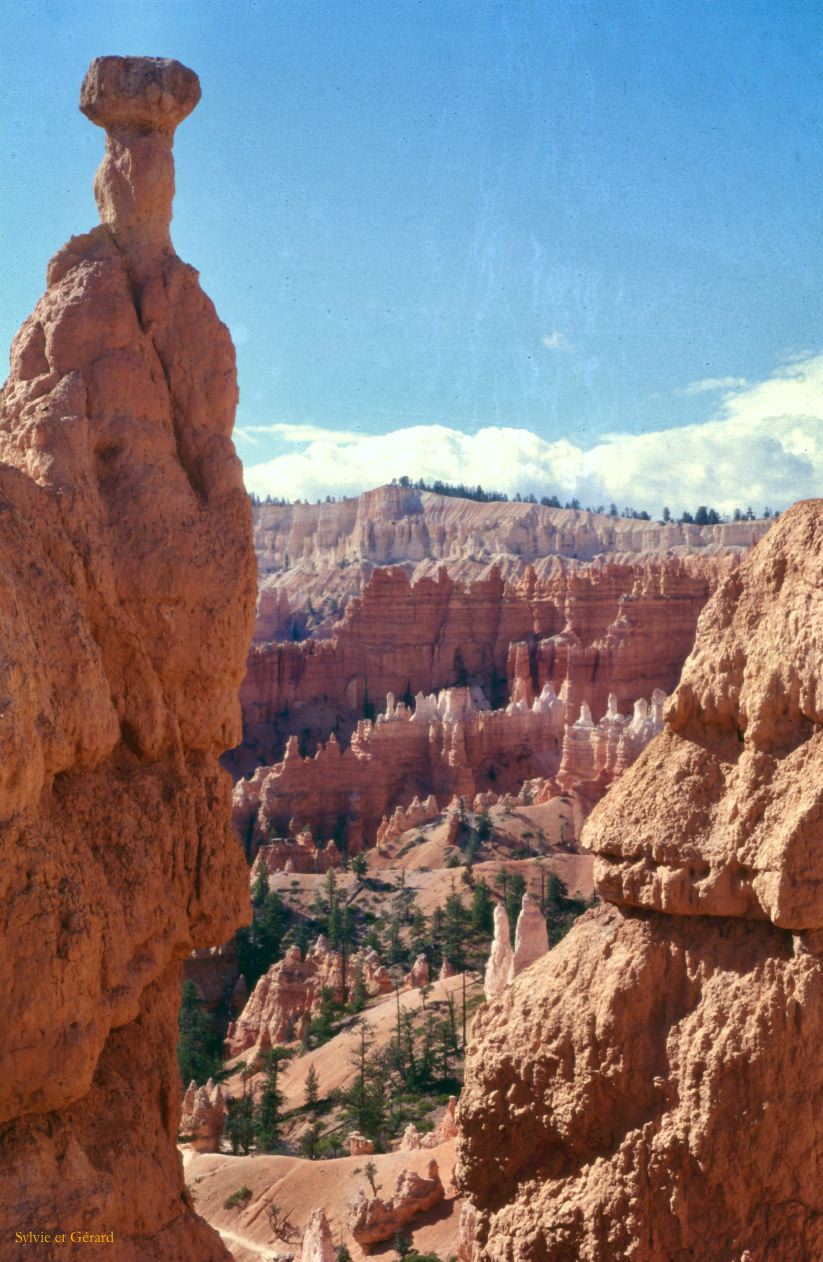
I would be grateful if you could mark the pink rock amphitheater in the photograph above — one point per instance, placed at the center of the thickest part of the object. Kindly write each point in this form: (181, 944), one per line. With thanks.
(527, 800)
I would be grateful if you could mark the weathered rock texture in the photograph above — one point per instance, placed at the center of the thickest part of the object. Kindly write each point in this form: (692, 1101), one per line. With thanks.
(446, 1129)
(358, 1145)
(499, 963)
(621, 626)
(531, 939)
(651, 1089)
(126, 602)
(372, 1219)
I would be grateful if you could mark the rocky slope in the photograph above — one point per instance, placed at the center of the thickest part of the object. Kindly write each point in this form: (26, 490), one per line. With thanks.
(304, 1186)
(127, 578)
(650, 1089)
(581, 635)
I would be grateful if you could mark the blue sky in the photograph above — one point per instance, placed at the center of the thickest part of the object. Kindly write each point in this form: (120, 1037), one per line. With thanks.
(547, 223)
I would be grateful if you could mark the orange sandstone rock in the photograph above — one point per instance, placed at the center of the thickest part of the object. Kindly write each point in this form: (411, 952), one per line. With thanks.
(452, 744)
(531, 938)
(284, 999)
(373, 1219)
(126, 603)
(203, 1116)
(617, 625)
(323, 550)
(649, 1089)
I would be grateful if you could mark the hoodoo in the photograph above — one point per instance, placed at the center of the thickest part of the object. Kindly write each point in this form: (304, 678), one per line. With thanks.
(650, 1089)
(127, 596)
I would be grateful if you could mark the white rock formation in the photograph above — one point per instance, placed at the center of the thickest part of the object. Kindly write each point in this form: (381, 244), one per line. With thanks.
(531, 938)
(317, 1245)
(419, 975)
(501, 956)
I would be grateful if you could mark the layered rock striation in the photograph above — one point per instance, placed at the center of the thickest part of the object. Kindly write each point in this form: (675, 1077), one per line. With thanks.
(326, 552)
(127, 577)
(659, 1069)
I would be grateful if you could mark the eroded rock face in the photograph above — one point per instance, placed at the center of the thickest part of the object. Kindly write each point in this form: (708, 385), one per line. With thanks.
(740, 758)
(418, 975)
(446, 1129)
(329, 550)
(617, 625)
(499, 963)
(203, 1116)
(649, 1090)
(453, 743)
(126, 603)
(358, 1144)
(283, 1001)
(372, 1219)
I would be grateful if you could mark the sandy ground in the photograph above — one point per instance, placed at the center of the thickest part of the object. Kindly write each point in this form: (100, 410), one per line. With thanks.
(334, 1060)
(300, 1186)
(421, 866)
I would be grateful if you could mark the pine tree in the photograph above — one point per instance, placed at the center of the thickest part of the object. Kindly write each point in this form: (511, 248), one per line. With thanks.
(239, 1125)
(322, 1026)
(309, 1143)
(483, 826)
(359, 994)
(269, 928)
(482, 909)
(455, 918)
(267, 1118)
(260, 888)
(437, 932)
(365, 1104)
(417, 932)
(198, 1048)
(311, 1087)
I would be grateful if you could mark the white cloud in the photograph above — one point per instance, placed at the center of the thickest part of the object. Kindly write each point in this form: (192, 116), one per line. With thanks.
(763, 446)
(709, 384)
(557, 341)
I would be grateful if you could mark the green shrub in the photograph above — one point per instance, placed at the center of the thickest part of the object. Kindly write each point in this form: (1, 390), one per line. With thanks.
(241, 1197)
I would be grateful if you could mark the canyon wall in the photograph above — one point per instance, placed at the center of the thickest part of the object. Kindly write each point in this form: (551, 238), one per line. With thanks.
(615, 626)
(650, 1088)
(127, 586)
(325, 552)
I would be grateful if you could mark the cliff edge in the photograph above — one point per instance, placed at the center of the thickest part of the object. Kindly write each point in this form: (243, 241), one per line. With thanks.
(127, 589)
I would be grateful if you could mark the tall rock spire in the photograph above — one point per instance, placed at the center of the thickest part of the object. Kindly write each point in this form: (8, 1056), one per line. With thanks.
(127, 587)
